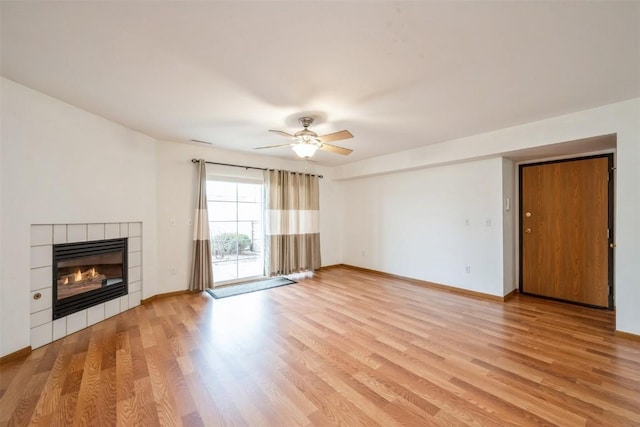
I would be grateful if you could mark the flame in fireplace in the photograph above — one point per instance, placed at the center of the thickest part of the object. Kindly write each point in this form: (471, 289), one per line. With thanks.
(65, 281)
(93, 272)
(77, 277)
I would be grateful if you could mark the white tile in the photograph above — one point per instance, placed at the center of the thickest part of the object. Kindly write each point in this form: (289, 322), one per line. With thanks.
(59, 233)
(95, 314)
(41, 235)
(135, 274)
(134, 244)
(124, 229)
(42, 303)
(41, 278)
(134, 299)
(41, 335)
(76, 233)
(135, 286)
(135, 229)
(135, 259)
(41, 317)
(111, 231)
(41, 256)
(59, 328)
(95, 232)
(76, 321)
(124, 303)
(111, 308)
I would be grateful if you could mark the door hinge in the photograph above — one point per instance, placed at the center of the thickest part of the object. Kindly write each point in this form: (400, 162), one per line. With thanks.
(608, 233)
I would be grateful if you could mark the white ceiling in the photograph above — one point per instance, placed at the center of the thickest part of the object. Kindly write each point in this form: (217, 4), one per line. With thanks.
(398, 75)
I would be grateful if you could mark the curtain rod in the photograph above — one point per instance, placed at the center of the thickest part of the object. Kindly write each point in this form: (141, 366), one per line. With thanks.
(252, 167)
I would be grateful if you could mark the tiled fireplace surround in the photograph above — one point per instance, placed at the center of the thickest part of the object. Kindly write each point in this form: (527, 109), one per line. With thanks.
(43, 237)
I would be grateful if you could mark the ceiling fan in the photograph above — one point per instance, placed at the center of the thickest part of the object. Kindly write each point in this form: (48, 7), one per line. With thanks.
(306, 142)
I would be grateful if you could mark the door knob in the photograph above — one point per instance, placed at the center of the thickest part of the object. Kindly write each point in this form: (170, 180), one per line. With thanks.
(527, 214)
(612, 245)
(527, 230)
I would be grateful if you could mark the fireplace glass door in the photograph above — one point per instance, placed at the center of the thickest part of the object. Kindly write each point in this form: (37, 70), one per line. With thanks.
(87, 273)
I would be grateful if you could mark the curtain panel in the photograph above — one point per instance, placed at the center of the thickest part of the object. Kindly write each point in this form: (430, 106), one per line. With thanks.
(201, 270)
(292, 222)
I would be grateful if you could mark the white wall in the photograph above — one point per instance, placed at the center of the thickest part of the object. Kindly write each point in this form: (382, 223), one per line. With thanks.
(63, 165)
(430, 224)
(508, 227)
(622, 119)
(176, 201)
(627, 253)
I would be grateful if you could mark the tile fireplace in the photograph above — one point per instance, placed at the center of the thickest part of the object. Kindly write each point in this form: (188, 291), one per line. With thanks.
(56, 281)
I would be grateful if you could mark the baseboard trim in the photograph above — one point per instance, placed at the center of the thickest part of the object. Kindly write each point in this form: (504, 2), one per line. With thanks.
(330, 267)
(164, 295)
(510, 295)
(23, 352)
(627, 335)
(432, 285)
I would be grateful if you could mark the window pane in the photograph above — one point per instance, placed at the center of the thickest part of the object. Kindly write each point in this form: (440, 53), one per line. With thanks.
(249, 193)
(245, 227)
(221, 191)
(224, 241)
(222, 211)
(249, 212)
(250, 266)
(235, 222)
(218, 228)
(256, 246)
(225, 270)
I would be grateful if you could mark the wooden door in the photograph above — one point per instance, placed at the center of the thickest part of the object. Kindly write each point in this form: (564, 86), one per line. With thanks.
(564, 230)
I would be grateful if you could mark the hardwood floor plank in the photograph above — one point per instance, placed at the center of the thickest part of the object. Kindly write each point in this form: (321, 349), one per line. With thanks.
(345, 347)
(167, 411)
(107, 389)
(20, 375)
(65, 412)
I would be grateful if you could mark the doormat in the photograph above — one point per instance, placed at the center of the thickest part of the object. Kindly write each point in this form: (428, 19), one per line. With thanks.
(245, 288)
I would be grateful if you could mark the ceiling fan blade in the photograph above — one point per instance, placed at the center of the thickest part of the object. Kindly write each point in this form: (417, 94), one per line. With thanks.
(279, 132)
(272, 146)
(336, 136)
(336, 149)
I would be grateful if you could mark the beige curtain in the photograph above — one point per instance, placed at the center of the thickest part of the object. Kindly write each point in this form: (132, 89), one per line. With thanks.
(292, 222)
(201, 271)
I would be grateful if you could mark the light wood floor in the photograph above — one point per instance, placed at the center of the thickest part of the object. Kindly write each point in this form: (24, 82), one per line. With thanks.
(345, 348)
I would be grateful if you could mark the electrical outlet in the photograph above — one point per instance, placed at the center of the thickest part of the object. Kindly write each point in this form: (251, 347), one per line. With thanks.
(467, 269)
(488, 222)
(172, 271)
(467, 222)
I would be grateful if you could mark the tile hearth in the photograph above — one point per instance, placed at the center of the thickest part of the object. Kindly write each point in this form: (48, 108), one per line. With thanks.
(43, 237)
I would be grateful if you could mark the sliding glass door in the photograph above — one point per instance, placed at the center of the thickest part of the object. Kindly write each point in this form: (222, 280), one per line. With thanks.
(235, 221)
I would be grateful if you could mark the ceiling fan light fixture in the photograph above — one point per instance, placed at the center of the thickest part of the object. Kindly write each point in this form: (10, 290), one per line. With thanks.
(304, 151)
(306, 142)
(307, 139)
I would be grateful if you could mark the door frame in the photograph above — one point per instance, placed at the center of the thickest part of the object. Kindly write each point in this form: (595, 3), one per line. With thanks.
(610, 224)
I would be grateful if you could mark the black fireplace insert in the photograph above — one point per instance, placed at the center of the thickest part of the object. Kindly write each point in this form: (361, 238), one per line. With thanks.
(87, 274)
